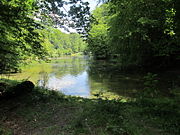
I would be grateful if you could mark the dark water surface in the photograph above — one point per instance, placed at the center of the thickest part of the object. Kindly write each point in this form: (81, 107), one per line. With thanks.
(81, 76)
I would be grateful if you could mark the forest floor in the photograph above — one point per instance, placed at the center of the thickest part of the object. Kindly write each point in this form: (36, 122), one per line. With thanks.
(45, 112)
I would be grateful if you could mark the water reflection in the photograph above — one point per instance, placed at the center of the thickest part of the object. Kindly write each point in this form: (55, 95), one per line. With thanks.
(76, 85)
(104, 76)
(81, 76)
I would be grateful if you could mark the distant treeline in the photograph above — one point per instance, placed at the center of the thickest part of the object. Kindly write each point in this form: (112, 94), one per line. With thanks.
(57, 43)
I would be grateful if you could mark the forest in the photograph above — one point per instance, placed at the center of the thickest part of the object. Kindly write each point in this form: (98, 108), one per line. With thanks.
(57, 43)
(117, 73)
(25, 33)
(137, 33)
(142, 34)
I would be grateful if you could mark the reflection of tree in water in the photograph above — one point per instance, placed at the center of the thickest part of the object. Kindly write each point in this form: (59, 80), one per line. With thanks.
(73, 66)
(107, 77)
(43, 80)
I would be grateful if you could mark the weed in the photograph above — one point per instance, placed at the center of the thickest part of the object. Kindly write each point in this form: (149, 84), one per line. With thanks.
(46, 112)
(4, 131)
(150, 86)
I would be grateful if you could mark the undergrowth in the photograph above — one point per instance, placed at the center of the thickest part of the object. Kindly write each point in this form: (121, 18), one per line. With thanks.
(46, 112)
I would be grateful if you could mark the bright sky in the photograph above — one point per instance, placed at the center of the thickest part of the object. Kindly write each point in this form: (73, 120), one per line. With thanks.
(92, 4)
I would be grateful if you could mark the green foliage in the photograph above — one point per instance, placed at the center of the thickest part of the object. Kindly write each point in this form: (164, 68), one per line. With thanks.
(100, 117)
(20, 21)
(4, 131)
(162, 112)
(98, 38)
(150, 86)
(58, 43)
(141, 33)
(74, 115)
(18, 38)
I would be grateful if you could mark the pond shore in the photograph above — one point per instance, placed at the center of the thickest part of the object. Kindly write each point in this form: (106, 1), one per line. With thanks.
(45, 112)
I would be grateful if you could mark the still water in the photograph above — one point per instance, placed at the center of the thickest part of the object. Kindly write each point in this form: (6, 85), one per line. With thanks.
(82, 76)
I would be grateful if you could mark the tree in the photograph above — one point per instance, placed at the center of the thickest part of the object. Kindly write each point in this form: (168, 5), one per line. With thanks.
(58, 43)
(141, 32)
(18, 38)
(98, 38)
(19, 20)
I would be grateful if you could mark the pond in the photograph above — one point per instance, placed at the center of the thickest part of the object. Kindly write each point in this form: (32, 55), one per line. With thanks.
(82, 76)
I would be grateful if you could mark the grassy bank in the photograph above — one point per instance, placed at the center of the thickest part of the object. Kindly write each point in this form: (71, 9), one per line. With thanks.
(45, 112)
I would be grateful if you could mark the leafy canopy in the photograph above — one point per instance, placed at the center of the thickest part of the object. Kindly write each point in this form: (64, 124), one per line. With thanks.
(140, 32)
(19, 20)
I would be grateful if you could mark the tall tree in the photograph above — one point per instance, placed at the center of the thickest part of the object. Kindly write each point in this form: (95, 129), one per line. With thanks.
(17, 38)
(142, 32)
(98, 36)
(20, 18)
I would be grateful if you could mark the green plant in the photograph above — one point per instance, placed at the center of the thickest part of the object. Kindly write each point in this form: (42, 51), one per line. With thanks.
(150, 85)
(5, 131)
